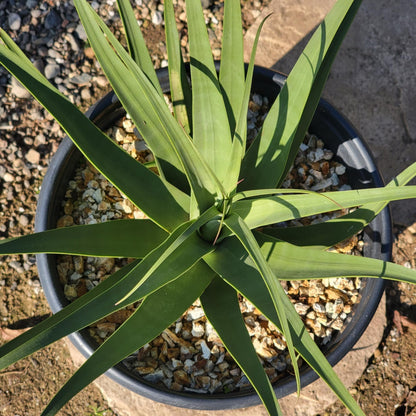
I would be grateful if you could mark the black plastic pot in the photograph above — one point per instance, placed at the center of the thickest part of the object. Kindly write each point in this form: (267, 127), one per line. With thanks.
(338, 135)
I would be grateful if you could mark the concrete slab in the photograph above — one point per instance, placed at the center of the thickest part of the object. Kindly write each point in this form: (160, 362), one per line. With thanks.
(372, 82)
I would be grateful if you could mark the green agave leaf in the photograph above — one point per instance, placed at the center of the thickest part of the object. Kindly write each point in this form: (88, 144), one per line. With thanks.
(179, 86)
(246, 279)
(211, 130)
(232, 62)
(119, 238)
(167, 161)
(122, 64)
(274, 191)
(331, 232)
(181, 250)
(134, 180)
(236, 225)
(150, 113)
(12, 46)
(240, 134)
(143, 326)
(220, 300)
(283, 259)
(136, 44)
(275, 209)
(269, 158)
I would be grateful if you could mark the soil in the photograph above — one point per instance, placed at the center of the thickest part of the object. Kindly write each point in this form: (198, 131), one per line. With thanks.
(387, 386)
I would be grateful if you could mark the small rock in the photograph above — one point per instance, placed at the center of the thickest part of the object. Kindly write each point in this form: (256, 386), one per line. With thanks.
(18, 89)
(206, 3)
(345, 188)
(140, 145)
(38, 64)
(157, 18)
(334, 179)
(301, 308)
(81, 80)
(194, 314)
(181, 378)
(72, 41)
(17, 266)
(206, 352)
(65, 221)
(40, 139)
(154, 377)
(317, 307)
(23, 220)
(80, 31)
(52, 71)
(70, 292)
(198, 329)
(33, 156)
(52, 20)
(322, 185)
(86, 94)
(340, 169)
(14, 21)
(8, 177)
(89, 53)
(188, 365)
(101, 81)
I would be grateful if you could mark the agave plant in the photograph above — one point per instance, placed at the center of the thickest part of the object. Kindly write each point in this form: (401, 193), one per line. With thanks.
(207, 201)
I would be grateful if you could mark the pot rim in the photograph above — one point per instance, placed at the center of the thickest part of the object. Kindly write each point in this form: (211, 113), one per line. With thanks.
(360, 164)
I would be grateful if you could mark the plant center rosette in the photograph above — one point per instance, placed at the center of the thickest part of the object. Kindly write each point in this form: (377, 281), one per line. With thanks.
(189, 355)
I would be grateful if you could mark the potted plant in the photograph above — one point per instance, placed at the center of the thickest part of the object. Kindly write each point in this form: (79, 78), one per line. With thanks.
(327, 124)
(209, 201)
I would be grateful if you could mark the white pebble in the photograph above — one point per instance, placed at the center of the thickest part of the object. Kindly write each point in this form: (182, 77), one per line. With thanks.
(206, 352)
(328, 154)
(334, 179)
(317, 307)
(198, 329)
(340, 169)
(187, 365)
(14, 21)
(8, 177)
(97, 196)
(194, 314)
(157, 18)
(301, 308)
(74, 277)
(322, 185)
